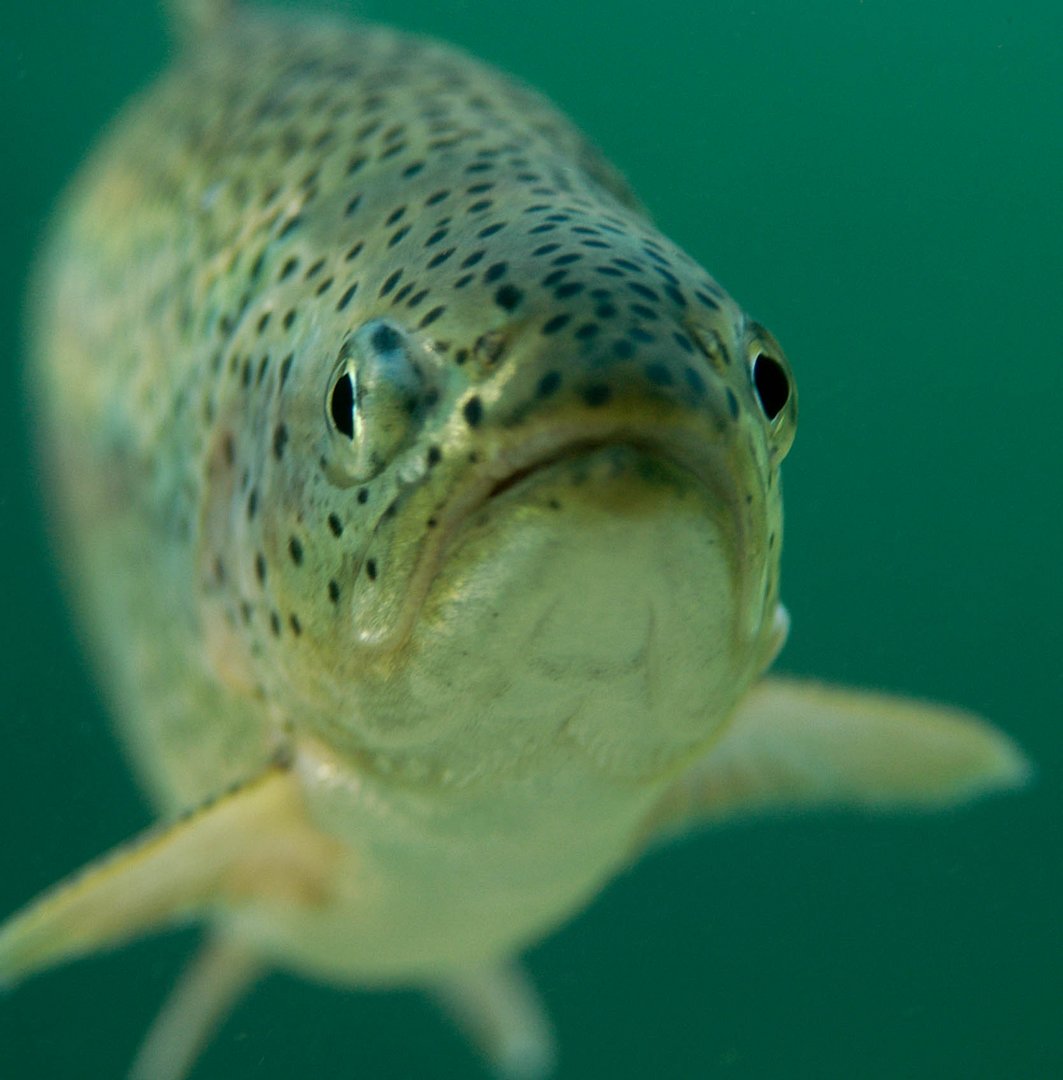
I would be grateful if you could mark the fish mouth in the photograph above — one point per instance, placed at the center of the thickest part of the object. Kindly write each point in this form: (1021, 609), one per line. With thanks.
(499, 468)
(702, 462)
(535, 465)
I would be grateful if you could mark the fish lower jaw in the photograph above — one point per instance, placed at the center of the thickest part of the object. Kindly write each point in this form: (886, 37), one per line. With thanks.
(548, 632)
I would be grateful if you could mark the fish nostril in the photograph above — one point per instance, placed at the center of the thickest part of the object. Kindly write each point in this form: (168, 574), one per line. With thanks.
(385, 338)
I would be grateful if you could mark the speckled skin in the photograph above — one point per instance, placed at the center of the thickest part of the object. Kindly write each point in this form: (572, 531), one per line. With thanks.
(386, 430)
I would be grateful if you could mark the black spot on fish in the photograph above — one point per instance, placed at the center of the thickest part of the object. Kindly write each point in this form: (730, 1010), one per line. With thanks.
(280, 440)
(439, 258)
(390, 283)
(473, 411)
(290, 226)
(694, 380)
(348, 295)
(659, 374)
(431, 317)
(508, 297)
(548, 385)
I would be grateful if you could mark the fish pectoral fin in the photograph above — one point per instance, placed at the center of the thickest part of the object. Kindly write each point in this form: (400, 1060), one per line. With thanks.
(499, 1011)
(253, 843)
(798, 744)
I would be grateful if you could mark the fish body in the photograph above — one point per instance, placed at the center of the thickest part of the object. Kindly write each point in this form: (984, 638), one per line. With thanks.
(205, 477)
(421, 503)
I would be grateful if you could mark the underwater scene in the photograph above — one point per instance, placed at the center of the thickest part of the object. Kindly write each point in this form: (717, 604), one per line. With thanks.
(879, 184)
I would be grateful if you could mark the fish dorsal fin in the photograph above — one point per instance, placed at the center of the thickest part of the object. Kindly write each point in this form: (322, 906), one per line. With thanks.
(194, 19)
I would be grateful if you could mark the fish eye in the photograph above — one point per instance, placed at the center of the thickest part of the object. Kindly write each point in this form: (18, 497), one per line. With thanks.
(341, 404)
(772, 384)
(374, 399)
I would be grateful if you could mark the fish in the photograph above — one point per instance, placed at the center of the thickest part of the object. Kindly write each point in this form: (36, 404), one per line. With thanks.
(420, 506)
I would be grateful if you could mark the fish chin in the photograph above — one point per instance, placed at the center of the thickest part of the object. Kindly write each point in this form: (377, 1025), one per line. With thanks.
(590, 599)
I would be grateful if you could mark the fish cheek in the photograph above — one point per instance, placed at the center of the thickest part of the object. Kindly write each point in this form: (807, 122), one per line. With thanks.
(226, 651)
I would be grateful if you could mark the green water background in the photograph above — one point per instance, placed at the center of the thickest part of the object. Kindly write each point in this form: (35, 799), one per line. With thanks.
(880, 183)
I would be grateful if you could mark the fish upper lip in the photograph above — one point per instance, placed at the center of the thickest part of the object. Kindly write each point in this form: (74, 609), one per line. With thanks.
(511, 464)
(505, 465)
(566, 452)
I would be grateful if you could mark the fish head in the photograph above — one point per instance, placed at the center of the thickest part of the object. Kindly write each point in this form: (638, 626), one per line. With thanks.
(537, 511)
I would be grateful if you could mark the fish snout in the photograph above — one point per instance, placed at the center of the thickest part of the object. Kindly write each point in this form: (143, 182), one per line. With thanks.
(665, 396)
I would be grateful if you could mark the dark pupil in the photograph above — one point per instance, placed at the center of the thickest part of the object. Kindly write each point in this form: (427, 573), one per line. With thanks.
(773, 387)
(342, 405)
